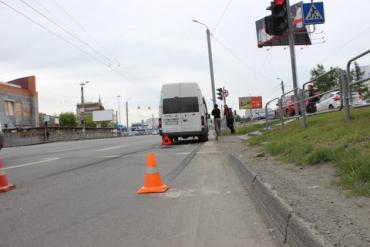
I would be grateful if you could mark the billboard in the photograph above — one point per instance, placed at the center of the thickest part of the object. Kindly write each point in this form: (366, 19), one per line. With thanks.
(100, 116)
(252, 102)
(301, 36)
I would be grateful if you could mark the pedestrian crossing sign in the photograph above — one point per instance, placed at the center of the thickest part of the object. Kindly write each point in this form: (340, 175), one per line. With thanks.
(313, 13)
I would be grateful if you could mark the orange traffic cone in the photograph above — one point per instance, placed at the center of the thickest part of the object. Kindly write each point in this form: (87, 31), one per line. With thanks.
(166, 141)
(4, 186)
(153, 182)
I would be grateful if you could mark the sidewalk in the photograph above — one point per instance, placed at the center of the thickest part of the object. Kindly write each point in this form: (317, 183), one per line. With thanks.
(312, 193)
(209, 206)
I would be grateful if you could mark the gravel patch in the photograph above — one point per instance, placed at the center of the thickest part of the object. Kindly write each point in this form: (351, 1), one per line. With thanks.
(312, 192)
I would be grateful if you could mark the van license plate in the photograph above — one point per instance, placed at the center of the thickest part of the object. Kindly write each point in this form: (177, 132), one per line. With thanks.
(171, 121)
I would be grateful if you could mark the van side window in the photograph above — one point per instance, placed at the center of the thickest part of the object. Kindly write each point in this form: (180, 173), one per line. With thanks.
(180, 105)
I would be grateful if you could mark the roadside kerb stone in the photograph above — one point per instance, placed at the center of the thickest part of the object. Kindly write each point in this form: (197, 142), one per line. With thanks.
(248, 175)
(290, 228)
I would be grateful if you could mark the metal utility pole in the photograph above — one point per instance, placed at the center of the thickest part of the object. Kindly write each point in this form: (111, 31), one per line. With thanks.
(292, 58)
(82, 109)
(210, 61)
(127, 116)
(119, 109)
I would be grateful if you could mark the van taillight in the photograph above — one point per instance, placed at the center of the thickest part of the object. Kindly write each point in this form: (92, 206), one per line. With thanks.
(203, 121)
(160, 123)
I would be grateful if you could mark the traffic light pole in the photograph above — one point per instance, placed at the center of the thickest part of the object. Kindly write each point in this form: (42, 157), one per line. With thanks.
(292, 58)
(211, 66)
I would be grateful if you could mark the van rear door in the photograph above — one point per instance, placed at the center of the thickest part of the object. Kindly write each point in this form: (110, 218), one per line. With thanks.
(181, 114)
(171, 115)
(190, 115)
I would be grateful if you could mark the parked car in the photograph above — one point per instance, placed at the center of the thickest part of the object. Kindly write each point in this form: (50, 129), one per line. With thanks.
(329, 101)
(1, 137)
(262, 115)
(289, 108)
(332, 100)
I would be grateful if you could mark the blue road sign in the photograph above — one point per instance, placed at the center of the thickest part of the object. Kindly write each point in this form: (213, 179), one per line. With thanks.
(313, 13)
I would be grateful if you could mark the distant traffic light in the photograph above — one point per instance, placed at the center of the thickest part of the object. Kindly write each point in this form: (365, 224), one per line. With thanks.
(277, 22)
(220, 93)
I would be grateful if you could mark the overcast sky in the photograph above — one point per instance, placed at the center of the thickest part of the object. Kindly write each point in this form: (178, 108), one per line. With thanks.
(139, 45)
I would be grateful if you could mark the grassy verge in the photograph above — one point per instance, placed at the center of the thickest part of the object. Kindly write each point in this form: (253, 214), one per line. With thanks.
(245, 129)
(327, 139)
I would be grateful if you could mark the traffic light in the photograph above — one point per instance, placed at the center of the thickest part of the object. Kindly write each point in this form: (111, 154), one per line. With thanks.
(220, 94)
(277, 22)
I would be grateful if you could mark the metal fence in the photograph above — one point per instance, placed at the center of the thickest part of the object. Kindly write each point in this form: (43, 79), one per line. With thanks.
(344, 86)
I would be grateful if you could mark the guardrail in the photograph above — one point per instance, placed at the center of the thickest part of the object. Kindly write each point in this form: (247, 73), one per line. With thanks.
(285, 108)
(310, 109)
(350, 82)
(307, 104)
(29, 136)
(266, 110)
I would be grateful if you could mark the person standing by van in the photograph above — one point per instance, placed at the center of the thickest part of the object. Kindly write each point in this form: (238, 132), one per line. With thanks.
(216, 113)
(229, 119)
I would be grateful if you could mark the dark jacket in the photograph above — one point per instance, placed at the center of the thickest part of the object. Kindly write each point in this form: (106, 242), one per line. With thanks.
(229, 113)
(216, 113)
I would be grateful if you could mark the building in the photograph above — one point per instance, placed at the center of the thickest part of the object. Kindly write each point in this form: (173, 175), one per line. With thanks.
(19, 103)
(89, 108)
(366, 71)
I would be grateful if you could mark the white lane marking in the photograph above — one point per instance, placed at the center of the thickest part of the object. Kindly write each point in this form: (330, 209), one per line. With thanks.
(208, 152)
(32, 163)
(111, 148)
(182, 153)
(157, 155)
(109, 156)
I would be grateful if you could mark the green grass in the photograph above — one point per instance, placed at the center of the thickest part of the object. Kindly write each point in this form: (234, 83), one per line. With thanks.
(327, 139)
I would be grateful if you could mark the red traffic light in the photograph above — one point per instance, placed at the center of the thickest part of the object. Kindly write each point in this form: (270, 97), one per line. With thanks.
(279, 2)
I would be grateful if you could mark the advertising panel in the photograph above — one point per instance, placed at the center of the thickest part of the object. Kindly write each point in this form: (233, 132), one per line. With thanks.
(252, 102)
(301, 36)
(99, 116)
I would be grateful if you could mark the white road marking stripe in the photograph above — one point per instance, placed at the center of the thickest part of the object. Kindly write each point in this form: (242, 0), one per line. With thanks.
(208, 152)
(182, 153)
(156, 155)
(109, 156)
(32, 163)
(111, 148)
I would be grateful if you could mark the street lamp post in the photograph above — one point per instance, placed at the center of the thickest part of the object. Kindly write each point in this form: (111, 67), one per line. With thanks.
(83, 106)
(128, 129)
(210, 60)
(281, 84)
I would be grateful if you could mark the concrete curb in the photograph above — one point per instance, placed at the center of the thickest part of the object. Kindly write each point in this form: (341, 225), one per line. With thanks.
(290, 228)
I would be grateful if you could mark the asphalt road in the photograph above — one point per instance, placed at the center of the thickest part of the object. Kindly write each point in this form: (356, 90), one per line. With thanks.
(83, 193)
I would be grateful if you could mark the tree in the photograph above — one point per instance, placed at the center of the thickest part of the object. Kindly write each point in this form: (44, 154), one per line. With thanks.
(67, 119)
(89, 121)
(325, 83)
(356, 75)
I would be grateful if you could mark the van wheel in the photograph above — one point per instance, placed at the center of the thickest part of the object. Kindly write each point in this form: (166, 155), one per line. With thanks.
(203, 138)
(331, 107)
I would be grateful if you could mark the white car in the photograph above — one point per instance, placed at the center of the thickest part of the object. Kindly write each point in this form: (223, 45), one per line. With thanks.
(332, 100)
(329, 101)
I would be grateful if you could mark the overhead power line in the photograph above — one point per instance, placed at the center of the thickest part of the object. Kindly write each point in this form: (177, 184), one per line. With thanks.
(241, 60)
(223, 14)
(68, 32)
(77, 23)
(55, 34)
